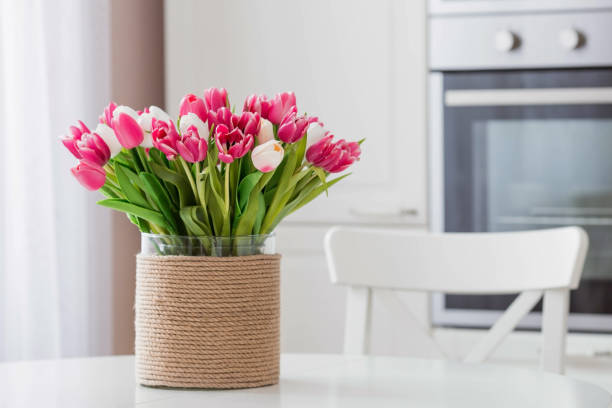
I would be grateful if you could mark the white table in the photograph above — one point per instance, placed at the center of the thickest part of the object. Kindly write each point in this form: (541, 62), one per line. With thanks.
(307, 380)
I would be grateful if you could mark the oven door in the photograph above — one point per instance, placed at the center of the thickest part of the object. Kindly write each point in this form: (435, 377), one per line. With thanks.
(522, 150)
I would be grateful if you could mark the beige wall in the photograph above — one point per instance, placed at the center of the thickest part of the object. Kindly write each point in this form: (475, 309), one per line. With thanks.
(137, 76)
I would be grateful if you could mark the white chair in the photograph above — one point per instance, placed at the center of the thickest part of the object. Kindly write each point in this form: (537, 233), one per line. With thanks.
(534, 263)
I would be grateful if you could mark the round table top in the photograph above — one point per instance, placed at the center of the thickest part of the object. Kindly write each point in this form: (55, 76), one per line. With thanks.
(307, 380)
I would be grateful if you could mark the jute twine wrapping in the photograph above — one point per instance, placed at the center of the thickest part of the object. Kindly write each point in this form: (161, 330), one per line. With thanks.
(206, 322)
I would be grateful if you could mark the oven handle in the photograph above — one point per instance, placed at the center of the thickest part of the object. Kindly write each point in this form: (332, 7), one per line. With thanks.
(528, 96)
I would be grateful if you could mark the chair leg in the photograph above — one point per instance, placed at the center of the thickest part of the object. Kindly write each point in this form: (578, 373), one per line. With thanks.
(357, 326)
(554, 329)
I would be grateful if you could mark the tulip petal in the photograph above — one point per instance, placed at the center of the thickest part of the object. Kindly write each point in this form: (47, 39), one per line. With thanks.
(128, 131)
(89, 175)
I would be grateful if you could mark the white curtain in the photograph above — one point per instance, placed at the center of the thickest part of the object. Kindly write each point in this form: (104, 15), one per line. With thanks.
(54, 242)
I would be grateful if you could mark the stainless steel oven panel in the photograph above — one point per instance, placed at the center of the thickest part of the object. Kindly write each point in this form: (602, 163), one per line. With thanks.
(520, 41)
(453, 7)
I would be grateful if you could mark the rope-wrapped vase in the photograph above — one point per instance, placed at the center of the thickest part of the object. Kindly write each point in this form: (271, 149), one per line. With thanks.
(207, 322)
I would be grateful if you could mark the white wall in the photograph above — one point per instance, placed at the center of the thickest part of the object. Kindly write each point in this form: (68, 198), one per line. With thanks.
(359, 65)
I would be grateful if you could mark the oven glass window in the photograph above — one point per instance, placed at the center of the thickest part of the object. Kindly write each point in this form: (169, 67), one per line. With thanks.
(511, 168)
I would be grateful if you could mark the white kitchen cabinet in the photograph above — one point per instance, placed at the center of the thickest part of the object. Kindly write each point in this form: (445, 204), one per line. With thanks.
(357, 64)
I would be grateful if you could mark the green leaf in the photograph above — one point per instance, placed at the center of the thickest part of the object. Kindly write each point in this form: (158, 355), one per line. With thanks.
(142, 225)
(215, 209)
(247, 220)
(134, 178)
(277, 202)
(193, 217)
(110, 192)
(125, 206)
(244, 190)
(158, 157)
(186, 197)
(295, 179)
(161, 198)
(213, 171)
(261, 212)
(131, 193)
(314, 193)
(301, 151)
(309, 193)
(322, 176)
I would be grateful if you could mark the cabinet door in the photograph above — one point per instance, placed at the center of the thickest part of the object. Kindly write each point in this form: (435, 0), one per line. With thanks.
(359, 65)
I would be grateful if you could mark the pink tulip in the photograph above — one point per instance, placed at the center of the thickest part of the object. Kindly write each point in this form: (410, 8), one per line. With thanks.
(282, 104)
(192, 143)
(257, 104)
(191, 146)
(249, 123)
(70, 140)
(193, 104)
(266, 157)
(215, 99)
(107, 116)
(232, 144)
(93, 149)
(126, 127)
(293, 127)
(222, 116)
(165, 138)
(333, 157)
(91, 176)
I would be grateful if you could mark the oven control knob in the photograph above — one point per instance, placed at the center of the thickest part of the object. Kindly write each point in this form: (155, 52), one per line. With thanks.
(570, 39)
(506, 41)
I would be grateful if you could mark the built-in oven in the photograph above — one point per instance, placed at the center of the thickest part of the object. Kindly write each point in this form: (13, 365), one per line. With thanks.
(521, 138)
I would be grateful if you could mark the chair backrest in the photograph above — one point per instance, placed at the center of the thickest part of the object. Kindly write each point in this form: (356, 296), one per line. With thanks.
(533, 263)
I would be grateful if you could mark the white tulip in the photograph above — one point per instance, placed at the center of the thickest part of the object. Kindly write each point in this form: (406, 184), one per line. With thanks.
(314, 133)
(191, 119)
(108, 135)
(266, 157)
(127, 110)
(266, 132)
(146, 119)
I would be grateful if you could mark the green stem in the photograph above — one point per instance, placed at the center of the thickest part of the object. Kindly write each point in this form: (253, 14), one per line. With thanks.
(143, 158)
(190, 177)
(200, 186)
(227, 196)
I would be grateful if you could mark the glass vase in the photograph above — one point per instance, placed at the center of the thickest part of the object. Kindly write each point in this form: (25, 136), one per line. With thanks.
(154, 244)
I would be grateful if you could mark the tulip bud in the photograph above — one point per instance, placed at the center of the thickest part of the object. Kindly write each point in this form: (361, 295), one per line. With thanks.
(266, 132)
(267, 156)
(282, 105)
(215, 99)
(192, 104)
(91, 176)
(126, 127)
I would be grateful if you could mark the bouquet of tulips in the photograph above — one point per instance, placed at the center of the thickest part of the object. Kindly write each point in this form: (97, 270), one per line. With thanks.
(213, 172)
